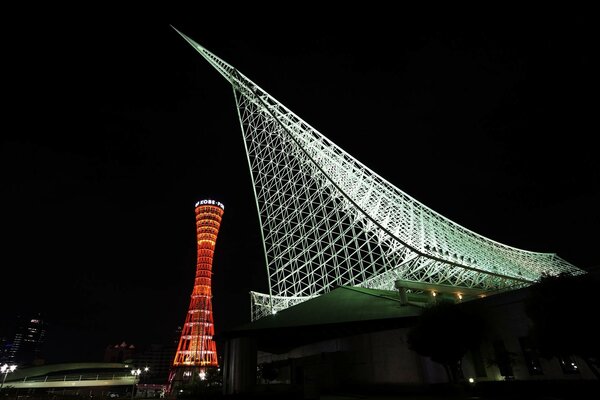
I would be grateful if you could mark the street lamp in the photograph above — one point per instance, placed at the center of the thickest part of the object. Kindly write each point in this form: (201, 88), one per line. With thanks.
(136, 373)
(6, 369)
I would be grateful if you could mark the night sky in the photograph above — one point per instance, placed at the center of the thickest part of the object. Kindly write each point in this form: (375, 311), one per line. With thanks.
(115, 127)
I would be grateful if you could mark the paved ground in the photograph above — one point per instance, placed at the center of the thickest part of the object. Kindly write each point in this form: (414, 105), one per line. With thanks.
(547, 390)
(516, 390)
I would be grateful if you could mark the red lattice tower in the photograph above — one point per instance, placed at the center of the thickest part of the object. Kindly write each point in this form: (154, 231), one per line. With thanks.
(196, 346)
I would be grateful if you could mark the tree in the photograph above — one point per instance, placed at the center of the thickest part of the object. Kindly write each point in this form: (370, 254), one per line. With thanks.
(444, 333)
(563, 311)
(268, 371)
(503, 359)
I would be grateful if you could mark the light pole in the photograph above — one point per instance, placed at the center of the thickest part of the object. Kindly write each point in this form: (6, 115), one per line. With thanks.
(6, 369)
(136, 373)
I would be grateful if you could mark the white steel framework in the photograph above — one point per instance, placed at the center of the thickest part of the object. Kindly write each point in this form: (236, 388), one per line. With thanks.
(328, 220)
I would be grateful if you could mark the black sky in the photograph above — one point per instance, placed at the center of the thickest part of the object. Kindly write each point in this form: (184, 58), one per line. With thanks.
(115, 127)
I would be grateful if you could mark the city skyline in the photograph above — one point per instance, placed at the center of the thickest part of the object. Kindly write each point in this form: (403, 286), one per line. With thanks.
(487, 127)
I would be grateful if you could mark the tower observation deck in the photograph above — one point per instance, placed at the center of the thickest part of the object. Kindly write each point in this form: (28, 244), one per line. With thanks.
(328, 220)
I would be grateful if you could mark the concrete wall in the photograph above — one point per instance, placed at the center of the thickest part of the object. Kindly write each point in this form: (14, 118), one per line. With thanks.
(371, 358)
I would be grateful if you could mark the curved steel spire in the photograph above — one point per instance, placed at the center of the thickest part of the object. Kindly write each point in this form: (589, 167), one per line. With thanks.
(328, 220)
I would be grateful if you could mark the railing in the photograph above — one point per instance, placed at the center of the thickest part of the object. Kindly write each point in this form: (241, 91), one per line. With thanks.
(105, 379)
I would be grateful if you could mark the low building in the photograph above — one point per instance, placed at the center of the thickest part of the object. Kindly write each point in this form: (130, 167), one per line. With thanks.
(357, 336)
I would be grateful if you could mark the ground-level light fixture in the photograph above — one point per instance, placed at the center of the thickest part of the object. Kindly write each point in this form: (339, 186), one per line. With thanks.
(6, 369)
(136, 373)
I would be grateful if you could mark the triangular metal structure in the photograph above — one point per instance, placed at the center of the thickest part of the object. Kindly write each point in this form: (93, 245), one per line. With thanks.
(328, 220)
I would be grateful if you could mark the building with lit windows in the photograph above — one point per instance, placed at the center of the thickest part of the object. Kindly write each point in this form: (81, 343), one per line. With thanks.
(24, 346)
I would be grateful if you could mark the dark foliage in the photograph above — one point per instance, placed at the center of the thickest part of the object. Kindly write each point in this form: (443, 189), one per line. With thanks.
(444, 333)
(269, 371)
(563, 310)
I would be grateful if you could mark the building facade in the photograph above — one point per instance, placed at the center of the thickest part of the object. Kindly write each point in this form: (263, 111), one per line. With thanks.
(24, 344)
(358, 337)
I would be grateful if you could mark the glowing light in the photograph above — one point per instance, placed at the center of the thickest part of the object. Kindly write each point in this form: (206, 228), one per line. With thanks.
(471, 380)
(213, 202)
(202, 375)
(5, 369)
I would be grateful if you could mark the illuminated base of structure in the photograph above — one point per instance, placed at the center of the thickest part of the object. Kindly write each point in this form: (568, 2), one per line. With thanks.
(187, 375)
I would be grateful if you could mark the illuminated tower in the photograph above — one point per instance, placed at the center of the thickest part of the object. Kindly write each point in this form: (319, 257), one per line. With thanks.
(197, 350)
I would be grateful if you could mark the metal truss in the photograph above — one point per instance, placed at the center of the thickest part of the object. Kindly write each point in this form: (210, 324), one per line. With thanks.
(328, 220)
